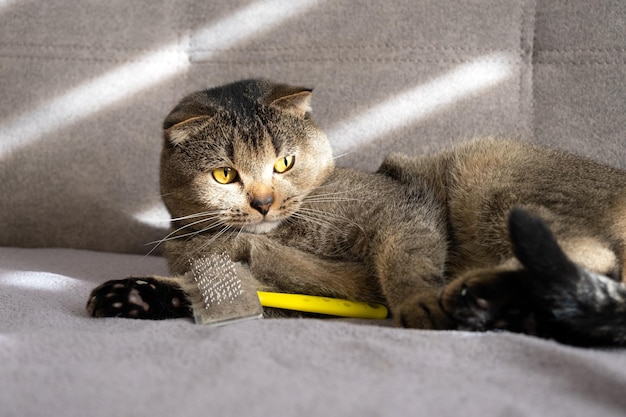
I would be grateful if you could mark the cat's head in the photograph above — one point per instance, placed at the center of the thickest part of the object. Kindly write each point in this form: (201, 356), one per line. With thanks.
(243, 155)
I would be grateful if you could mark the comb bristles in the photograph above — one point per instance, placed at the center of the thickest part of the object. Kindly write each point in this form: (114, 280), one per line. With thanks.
(222, 292)
(217, 279)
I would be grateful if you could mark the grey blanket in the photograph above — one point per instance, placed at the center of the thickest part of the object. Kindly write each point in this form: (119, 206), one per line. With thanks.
(57, 361)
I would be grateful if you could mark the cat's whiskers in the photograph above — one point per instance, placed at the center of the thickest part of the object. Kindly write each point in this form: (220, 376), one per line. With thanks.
(200, 249)
(196, 215)
(323, 215)
(322, 186)
(194, 233)
(172, 235)
(308, 197)
(185, 226)
(333, 196)
(341, 155)
(331, 199)
(304, 217)
(223, 229)
(319, 218)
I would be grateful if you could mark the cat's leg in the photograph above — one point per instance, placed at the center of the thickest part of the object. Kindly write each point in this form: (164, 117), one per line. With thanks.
(154, 298)
(412, 293)
(409, 259)
(403, 268)
(572, 303)
(410, 249)
(273, 267)
(497, 297)
(284, 268)
(548, 294)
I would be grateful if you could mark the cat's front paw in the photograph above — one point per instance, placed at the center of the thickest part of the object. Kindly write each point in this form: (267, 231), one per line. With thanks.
(423, 312)
(139, 298)
(489, 300)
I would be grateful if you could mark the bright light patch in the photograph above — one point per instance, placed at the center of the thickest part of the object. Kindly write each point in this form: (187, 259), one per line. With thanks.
(156, 216)
(37, 281)
(144, 72)
(93, 96)
(463, 82)
(249, 21)
(6, 3)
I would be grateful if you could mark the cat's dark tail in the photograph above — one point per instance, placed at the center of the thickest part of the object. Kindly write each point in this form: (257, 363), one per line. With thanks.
(572, 305)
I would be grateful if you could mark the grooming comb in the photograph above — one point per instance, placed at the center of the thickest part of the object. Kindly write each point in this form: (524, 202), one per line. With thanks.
(228, 294)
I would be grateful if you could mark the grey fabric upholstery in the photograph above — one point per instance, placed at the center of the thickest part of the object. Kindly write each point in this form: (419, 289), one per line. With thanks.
(85, 91)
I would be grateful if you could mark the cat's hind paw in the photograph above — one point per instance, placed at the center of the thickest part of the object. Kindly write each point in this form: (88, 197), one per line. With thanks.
(139, 298)
(423, 312)
(489, 300)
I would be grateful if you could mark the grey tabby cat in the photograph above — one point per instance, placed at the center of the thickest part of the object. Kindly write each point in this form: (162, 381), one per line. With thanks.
(492, 234)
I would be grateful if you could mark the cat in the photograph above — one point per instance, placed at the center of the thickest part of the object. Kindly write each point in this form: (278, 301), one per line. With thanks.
(491, 234)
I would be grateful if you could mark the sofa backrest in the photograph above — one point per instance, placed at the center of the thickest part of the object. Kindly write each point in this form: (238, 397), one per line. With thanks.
(85, 91)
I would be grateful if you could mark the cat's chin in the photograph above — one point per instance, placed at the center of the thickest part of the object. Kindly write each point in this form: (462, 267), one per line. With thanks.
(261, 228)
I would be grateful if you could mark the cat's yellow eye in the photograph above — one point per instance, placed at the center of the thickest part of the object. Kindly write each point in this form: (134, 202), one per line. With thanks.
(284, 164)
(224, 175)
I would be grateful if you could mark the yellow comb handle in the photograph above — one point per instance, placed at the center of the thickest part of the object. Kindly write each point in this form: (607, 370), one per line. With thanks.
(322, 305)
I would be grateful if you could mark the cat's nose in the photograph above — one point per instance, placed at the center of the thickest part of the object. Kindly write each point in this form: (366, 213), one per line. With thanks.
(262, 204)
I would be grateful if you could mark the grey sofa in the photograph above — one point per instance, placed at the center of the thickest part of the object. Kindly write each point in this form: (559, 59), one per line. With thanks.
(85, 87)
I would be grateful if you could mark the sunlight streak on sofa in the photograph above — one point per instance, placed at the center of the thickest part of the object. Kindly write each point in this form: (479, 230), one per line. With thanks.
(93, 96)
(155, 215)
(144, 72)
(6, 3)
(463, 82)
(254, 19)
(35, 280)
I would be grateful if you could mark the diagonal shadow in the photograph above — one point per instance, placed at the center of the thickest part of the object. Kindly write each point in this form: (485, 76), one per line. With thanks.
(144, 72)
(408, 107)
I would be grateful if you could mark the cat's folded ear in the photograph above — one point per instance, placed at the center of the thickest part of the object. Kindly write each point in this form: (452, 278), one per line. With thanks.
(183, 131)
(186, 121)
(294, 100)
